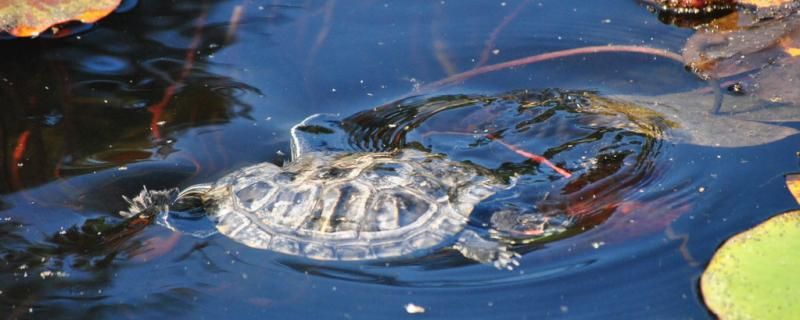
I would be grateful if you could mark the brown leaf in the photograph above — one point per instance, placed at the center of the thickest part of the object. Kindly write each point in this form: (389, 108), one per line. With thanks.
(778, 83)
(765, 3)
(28, 18)
(715, 53)
(692, 6)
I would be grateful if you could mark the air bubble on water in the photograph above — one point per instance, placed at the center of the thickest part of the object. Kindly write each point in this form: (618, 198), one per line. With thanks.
(414, 309)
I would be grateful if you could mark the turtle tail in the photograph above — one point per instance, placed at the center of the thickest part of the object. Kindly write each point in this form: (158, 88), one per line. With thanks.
(149, 202)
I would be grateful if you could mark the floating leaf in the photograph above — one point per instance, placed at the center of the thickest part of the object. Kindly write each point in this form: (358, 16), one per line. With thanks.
(754, 274)
(764, 3)
(692, 6)
(716, 53)
(767, 48)
(705, 6)
(738, 127)
(29, 18)
(793, 183)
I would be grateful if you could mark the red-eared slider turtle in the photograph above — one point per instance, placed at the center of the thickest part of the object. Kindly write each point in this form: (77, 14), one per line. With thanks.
(361, 192)
(331, 203)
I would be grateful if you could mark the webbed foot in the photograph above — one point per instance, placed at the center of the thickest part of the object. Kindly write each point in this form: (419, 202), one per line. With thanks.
(475, 247)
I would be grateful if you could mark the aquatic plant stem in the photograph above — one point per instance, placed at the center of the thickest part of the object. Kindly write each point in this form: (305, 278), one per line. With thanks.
(233, 23)
(535, 157)
(157, 109)
(490, 43)
(553, 55)
(19, 152)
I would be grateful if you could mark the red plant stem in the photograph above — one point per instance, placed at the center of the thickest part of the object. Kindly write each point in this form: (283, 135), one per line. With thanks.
(19, 149)
(487, 49)
(535, 157)
(19, 152)
(158, 109)
(553, 55)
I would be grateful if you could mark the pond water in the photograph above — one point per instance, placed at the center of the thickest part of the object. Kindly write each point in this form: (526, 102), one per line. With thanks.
(174, 93)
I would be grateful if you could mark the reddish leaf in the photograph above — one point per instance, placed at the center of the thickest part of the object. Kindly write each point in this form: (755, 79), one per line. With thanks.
(697, 6)
(765, 3)
(692, 6)
(28, 18)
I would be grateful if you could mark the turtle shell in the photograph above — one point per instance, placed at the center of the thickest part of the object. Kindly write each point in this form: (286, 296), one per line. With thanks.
(349, 206)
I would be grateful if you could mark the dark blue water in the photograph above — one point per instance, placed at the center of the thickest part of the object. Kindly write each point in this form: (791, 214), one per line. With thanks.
(175, 93)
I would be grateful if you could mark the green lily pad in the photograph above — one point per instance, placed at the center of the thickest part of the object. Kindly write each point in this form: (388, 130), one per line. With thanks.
(754, 274)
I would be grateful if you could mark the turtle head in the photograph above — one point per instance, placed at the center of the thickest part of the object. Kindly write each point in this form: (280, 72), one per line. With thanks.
(149, 203)
(319, 133)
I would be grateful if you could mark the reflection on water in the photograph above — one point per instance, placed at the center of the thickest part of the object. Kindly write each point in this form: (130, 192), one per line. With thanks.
(84, 104)
(174, 93)
(610, 149)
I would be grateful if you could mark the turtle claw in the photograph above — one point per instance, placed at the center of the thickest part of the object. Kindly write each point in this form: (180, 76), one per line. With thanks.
(475, 247)
(507, 260)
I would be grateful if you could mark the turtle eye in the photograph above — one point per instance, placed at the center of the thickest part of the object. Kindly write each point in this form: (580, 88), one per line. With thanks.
(314, 129)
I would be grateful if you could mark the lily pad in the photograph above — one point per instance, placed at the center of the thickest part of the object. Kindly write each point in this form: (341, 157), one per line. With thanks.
(29, 18)
(754, 274)
(742, 122)
(793, 184)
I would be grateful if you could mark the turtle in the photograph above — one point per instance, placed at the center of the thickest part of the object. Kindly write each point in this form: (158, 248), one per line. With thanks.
(358, 189)
(330, 202)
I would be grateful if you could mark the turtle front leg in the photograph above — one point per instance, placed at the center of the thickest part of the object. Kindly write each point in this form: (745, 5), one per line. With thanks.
(477, 248)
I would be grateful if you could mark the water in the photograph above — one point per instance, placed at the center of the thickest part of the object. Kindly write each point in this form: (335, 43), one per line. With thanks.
(171, 94)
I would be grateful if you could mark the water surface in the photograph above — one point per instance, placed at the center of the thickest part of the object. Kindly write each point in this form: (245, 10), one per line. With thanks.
(175, 93)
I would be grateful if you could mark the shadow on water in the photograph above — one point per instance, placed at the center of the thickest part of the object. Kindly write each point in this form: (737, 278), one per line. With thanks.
(113, 96)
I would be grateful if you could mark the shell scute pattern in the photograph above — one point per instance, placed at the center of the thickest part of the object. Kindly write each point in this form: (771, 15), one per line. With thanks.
(356, 206)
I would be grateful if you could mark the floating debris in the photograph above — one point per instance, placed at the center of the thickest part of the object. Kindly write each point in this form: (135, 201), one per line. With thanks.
(414, 309)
